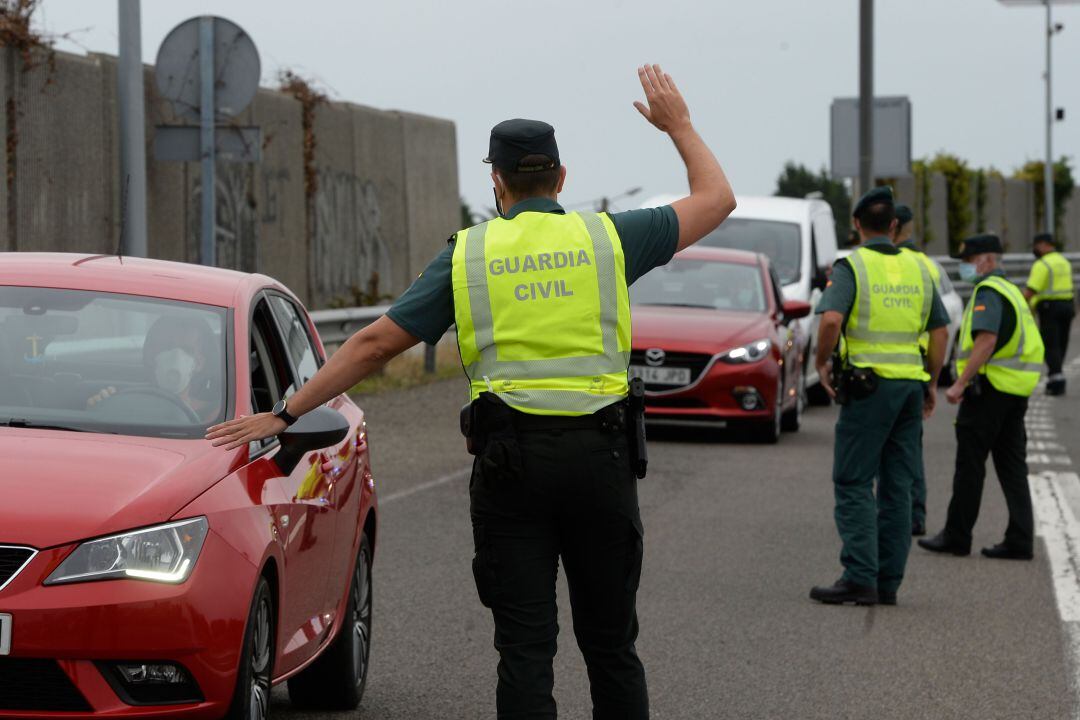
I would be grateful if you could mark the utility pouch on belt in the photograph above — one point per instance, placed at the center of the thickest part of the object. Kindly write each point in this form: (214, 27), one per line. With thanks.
(852, 383)
(638, 449)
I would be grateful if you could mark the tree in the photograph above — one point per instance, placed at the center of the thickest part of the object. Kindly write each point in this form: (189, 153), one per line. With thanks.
(798, 181)
(958, 183)
(1032, 171)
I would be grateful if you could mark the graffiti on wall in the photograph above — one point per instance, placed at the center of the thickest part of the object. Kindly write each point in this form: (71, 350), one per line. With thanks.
(349, 241)
(236, 232)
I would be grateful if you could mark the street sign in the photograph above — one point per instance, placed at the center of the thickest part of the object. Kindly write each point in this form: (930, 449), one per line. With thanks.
(892, 137)
(236, 69)
(182, 143)
(208, 68)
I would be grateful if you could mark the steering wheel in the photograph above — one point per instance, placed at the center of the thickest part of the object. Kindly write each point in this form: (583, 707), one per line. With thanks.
(150, 390)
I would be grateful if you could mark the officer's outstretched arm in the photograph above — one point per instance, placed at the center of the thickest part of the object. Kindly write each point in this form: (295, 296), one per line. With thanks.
(363, 353)
(711, 198)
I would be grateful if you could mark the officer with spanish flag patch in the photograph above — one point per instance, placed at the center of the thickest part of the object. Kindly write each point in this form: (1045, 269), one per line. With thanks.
(1001, 355)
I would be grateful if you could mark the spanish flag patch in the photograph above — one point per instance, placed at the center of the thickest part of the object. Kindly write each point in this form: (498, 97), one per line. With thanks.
(980, 308)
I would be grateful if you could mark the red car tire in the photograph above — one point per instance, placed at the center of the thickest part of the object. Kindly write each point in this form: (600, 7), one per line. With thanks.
(251, 699)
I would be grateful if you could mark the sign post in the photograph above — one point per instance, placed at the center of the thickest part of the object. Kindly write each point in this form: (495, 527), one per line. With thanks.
(209, 69)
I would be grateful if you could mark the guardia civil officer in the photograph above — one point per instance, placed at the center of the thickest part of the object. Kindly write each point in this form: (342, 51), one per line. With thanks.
(903, 238)
(1050, 291)
(1001, 354)
(880, 299)
(540, 300)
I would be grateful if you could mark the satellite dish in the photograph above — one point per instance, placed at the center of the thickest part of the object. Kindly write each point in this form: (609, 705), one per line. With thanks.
(236, 68)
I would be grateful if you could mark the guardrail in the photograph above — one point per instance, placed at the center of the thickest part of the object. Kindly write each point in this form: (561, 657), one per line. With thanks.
(1017, 267)
(338, 325)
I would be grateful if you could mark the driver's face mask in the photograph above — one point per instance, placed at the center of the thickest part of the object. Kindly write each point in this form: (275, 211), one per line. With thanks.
(173, 370)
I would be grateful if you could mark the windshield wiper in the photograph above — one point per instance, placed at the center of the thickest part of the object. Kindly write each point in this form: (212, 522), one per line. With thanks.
(690, 305)
(24, 423)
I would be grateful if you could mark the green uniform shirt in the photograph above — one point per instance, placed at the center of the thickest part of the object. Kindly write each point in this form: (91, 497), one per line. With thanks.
(993, 313)
(839, 295)
(426, 310)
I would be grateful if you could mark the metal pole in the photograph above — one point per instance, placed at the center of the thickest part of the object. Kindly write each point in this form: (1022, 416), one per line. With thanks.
(866, 95)
(129, 76)
(1048, 170)
(208, 246)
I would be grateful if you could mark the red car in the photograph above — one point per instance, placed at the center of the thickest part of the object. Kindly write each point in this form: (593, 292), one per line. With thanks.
(144, 573)
(715, 343)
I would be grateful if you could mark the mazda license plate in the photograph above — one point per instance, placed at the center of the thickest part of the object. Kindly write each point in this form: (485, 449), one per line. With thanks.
(661, 375)
(5, 634)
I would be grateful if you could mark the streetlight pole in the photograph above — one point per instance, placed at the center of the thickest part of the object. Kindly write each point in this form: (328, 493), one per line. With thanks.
(129, 70)
(1048, 169)
(866, 95)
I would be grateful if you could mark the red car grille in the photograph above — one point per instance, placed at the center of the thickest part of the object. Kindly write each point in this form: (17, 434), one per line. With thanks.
(33, 684)
(697, 362)
(11, 561)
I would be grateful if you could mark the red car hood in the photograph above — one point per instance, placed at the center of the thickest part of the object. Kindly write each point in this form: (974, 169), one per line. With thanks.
(687, 329)
(59, 487)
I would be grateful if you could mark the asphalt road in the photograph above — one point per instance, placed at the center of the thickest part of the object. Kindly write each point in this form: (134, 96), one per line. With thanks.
(736, 534)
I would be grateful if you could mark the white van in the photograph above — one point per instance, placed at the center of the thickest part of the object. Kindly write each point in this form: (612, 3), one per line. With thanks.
(799, 238)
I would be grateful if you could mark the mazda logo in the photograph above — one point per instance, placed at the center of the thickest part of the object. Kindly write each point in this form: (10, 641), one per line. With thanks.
(654, 357)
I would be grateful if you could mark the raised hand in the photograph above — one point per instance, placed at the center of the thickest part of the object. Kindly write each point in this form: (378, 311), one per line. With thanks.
(664, 105)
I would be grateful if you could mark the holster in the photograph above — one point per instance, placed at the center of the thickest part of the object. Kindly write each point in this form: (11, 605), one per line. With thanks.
(639, 451)
(852, 383)
(483, 417)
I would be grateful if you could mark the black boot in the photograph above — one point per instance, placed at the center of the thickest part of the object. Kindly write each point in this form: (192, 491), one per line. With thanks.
(918, 528)
(941, 543)
(843, 591)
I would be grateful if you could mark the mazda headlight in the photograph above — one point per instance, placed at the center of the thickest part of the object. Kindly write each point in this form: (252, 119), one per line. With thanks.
(748, 353)
(163, 553)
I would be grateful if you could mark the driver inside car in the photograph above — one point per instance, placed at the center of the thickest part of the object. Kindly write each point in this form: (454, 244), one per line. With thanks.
(175, 355)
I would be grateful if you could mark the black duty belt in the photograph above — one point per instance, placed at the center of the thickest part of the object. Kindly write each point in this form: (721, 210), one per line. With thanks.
(611, 418)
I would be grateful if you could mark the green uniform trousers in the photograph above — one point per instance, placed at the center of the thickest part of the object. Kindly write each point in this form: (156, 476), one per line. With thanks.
(877, 437)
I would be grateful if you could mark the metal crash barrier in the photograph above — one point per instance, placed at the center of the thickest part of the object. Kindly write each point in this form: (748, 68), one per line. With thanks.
(338, 325)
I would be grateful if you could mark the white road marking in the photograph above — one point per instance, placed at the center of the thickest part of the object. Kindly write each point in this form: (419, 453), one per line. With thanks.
(401, 494)
(1044, 459)
(1058, 526)
(1043, 445)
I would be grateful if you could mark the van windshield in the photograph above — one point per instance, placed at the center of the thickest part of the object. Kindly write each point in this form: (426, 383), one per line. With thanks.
(110, 363)
(778, 241)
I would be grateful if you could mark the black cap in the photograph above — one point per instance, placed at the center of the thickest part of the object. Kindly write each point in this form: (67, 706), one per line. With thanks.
(904, 215)
(512, 140)
(979, 244)
(873, 197)
(1043, 237)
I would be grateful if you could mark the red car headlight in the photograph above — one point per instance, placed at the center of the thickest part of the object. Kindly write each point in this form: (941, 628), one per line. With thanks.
(751, 352)
(163, 553)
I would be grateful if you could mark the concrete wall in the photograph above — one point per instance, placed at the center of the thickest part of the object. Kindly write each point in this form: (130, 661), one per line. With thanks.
(385, 199)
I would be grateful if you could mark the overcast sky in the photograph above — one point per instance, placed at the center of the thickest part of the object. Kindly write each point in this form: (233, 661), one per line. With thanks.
(759, 74)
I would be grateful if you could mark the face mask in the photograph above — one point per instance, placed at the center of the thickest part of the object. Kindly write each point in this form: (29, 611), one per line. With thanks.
(968, 272)
(173, 370)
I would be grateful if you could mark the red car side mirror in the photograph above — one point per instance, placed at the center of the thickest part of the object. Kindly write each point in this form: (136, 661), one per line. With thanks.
(795, 309)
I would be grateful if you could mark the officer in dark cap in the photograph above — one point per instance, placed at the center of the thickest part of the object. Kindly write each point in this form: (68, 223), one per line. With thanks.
(1001, 354)
(903, 238)
(539, 297)
(1051, 293)
(880, 299)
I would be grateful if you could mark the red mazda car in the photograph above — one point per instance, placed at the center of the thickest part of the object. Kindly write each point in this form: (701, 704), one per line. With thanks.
(144, 573)
(715, 344)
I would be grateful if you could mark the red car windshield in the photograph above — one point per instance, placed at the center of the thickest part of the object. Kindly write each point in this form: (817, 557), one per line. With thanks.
(105, 362)
(702, 283)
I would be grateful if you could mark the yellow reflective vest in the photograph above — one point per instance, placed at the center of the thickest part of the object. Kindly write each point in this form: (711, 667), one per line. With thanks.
(1014, 369)
(1051, 278)
(543, 312)
(893, 298)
